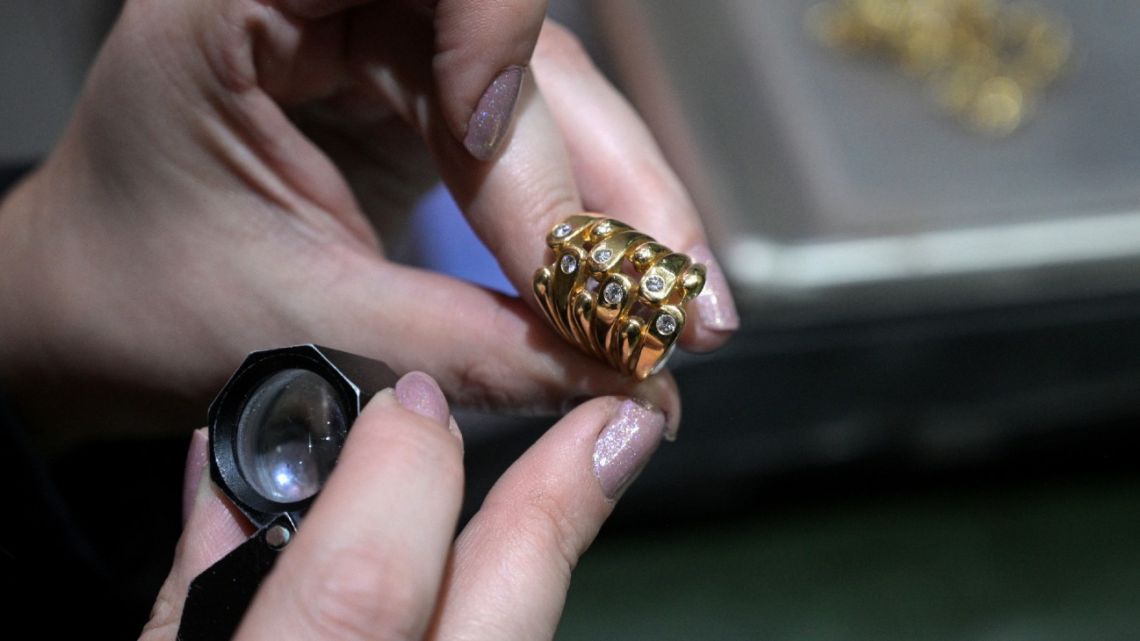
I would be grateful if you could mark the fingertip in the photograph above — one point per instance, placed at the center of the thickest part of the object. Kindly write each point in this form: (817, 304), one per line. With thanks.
(482, 54)
(419, 393)
(197, 457)
(625, 445)
(699, 338)
(715, 306)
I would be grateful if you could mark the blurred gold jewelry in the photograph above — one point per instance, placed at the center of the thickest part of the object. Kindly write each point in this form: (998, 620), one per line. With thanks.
(615, 292)
(986, 62)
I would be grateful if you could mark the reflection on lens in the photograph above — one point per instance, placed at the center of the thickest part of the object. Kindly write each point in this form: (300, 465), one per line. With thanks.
(287, 435)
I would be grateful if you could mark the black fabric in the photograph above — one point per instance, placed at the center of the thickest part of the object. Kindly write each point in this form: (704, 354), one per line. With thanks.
(46, 560)
(89, 534)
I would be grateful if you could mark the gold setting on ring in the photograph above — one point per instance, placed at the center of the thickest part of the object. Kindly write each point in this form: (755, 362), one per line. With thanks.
(616, 293)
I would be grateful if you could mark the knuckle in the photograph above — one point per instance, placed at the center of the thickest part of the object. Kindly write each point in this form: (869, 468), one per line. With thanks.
(543, 197)
(551, 200)
(360, 593)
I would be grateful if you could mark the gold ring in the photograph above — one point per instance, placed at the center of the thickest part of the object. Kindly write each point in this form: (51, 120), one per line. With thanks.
(616, 293)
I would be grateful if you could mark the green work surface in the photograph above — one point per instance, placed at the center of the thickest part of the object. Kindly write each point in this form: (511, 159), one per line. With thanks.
(1057, 561)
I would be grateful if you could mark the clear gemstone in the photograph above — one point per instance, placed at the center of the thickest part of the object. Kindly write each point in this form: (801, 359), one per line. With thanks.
(655, 284)
(602, 254)
(666, 324)
(569, 264)
(613, 293)
(602, 229)
(563, 230)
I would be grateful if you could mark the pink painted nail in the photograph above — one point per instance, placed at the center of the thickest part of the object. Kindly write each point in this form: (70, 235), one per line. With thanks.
(420, 393)
(625, 446)
(489, 123)
(714, 305)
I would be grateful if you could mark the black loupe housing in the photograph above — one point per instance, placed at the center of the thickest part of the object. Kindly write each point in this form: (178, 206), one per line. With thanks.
(276, 430)
(277, 426)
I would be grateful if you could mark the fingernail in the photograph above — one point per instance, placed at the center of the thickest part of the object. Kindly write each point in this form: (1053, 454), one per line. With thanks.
(491, 120)
(196, 459)
(420, 393)
(715, 307)
(625, 445)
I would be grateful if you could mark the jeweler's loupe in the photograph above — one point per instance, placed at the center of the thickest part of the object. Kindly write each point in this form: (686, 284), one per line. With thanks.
(276, 429)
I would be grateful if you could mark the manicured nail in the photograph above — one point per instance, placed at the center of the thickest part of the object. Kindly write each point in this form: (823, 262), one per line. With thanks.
(715, 307)
(196, 460)
(420, 393)
(625, 445)
(491, 120)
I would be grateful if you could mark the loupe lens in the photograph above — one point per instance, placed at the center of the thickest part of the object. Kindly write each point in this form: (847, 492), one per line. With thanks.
(287, 435)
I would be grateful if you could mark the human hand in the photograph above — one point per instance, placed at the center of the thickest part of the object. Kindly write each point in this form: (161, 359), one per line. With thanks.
(376, 557)
(186, 219)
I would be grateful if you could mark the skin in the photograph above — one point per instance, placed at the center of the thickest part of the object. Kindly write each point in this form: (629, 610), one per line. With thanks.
(184, 220)
(228, 182)
(375, 557)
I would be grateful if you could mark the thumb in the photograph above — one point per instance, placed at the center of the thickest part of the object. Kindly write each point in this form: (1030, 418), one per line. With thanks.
(482, 53)
(212, 528)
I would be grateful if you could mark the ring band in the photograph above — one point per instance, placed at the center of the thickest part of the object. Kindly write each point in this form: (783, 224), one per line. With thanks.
(616, 293)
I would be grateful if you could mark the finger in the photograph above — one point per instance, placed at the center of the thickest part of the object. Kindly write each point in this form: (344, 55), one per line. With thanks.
(482, 51)
(213, 527)
(368, 558)
(621, 171)
(487, 350)
(535, 181)
(511, 565)
(530, 184)
(481, 54)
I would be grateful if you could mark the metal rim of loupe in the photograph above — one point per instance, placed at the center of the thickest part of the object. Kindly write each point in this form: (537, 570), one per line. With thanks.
(227, 411)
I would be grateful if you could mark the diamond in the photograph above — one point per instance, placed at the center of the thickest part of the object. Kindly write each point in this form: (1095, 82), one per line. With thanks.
(563, 230)
(602, 254)
(602, 228)
(666, 324)
(655, 284)
(613, 293)
(569, 264)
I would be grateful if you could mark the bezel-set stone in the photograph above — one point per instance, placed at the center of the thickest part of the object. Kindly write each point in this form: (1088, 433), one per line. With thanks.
(613, 293)
(625, 287)
(655, 284)
(666, 324)
(568, 264)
